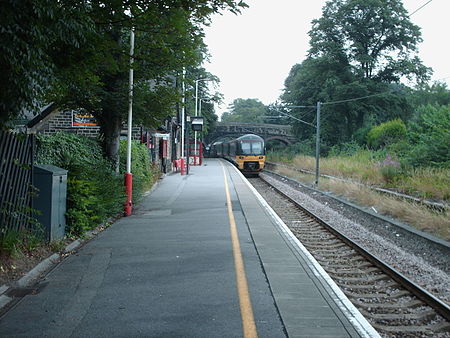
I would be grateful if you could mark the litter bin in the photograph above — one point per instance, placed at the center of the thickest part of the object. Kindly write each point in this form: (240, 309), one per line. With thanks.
(51, 182)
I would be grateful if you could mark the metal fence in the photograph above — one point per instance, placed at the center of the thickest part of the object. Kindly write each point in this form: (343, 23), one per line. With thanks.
(16, 180)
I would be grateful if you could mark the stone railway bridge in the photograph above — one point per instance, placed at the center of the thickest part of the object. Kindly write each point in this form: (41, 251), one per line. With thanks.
(269, 132)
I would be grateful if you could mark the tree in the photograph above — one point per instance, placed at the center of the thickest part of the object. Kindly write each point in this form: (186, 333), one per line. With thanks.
(358, 49)
(29, 30)
(424, 94)
(168, 37)
(246, 111)
(77, 53)
(376, 37)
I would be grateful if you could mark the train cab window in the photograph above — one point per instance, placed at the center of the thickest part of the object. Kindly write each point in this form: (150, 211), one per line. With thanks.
(252, 148)
(246, 148)
(257, 148)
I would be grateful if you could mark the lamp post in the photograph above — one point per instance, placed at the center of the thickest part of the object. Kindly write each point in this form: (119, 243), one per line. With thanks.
(183, 110)
(128, 175)
(201, 142)
(196, 110)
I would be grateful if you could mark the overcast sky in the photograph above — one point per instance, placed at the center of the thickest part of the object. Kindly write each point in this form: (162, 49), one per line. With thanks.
(252, 53)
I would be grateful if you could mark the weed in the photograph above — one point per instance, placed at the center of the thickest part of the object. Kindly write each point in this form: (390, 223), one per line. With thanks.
(381, 169)
(418, 216)
(15, 243)
(57, 246)
(390, 169)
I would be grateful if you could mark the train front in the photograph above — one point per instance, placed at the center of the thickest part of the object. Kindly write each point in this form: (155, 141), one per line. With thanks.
(250, 154)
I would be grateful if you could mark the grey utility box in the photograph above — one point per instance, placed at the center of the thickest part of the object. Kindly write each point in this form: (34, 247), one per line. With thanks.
(51, 183)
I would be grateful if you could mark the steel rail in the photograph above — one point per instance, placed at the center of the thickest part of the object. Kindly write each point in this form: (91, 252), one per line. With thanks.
(441, 307)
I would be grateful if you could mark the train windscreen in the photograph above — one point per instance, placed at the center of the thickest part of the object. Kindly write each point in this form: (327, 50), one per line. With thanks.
(252, 148)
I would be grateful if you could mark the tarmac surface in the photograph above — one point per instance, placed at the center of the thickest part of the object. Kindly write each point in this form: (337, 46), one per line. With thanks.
(172, 269)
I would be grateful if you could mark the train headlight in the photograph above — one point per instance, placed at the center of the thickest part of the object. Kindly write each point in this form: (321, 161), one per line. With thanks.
(261, 157)
(241, 157)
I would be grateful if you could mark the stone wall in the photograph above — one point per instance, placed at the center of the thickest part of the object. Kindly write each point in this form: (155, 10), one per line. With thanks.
(61, 121)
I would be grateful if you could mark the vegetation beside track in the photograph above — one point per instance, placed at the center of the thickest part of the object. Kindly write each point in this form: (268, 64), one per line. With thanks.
(370, 168)
(364, 167)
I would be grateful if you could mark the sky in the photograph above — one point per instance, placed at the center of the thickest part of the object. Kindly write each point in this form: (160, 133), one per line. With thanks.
(252, 53)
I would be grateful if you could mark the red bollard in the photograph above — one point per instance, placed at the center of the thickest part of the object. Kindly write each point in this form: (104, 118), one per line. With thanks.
(129, 193)
(183, 167)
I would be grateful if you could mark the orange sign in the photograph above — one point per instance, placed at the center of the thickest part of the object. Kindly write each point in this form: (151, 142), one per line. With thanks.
(83, 120)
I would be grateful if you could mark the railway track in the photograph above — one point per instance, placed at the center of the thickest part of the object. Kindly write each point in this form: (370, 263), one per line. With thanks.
(394, 305)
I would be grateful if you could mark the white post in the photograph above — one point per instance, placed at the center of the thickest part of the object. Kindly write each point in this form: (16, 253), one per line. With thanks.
(130, 103)
(183, 100)
(128, 176)
(196, 108)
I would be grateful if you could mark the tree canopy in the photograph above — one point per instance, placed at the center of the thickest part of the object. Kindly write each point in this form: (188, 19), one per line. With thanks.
(76, 54)
(246, 111)
(375, 37)
(358, 49)
(29, 31)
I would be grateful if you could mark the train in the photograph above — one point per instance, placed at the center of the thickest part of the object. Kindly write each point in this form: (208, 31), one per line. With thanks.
(247, 152)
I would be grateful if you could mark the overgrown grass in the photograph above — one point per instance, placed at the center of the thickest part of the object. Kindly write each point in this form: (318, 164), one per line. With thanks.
(360, 168)
(427, 182)
(435, 223)
(371, 168)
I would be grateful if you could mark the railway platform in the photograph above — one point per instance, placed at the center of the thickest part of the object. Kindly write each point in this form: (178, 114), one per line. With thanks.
(201, 256)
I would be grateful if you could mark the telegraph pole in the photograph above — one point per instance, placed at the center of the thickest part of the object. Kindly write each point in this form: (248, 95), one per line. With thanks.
(317, 142)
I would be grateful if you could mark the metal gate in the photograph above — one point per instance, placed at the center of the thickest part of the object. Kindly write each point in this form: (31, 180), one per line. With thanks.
(16, 186)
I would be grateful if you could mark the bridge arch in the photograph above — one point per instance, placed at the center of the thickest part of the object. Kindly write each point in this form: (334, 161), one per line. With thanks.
(268, 132)
(279, 138)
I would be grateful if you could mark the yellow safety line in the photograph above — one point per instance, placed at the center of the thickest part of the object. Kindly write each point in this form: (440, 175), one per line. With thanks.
(248, 321)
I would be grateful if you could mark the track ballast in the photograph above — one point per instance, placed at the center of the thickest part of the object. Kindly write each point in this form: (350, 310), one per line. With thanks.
(394, 305)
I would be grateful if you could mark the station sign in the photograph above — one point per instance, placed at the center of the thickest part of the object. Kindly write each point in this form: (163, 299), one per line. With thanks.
(163, 136)
(83, 119)
(197, 123)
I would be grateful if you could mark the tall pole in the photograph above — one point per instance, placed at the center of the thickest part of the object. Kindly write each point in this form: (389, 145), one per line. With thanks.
(200, 149)
(183, 111)
(128, 174)
(317, 142)
(196, 110)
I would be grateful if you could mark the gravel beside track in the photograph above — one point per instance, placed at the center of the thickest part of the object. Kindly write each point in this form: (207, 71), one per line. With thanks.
(391, 309)
(422, 262)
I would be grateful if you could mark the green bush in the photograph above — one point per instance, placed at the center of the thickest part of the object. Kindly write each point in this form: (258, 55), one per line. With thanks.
(141, 167)
(386, 133)
(429, 137)
(360, 135)
(95, 192)
(81, 205)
